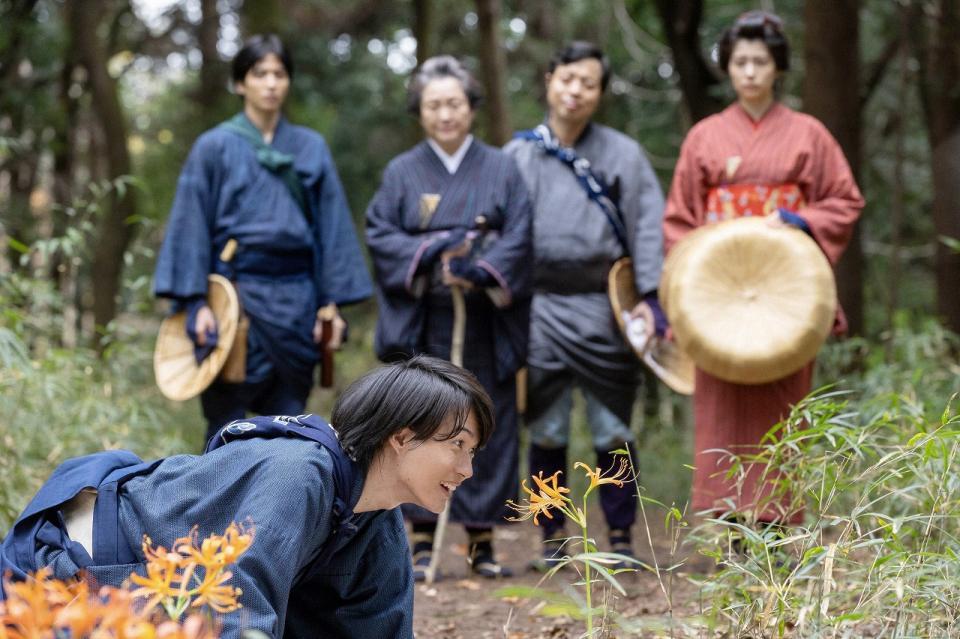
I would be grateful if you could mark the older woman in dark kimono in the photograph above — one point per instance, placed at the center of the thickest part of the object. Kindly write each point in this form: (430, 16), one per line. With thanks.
(453, 211)
(758, 157)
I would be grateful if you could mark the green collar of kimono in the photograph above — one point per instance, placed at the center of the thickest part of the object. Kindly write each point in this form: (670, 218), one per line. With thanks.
(273, 160)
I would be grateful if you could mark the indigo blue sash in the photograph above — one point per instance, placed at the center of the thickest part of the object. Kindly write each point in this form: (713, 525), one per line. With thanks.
(595, 187)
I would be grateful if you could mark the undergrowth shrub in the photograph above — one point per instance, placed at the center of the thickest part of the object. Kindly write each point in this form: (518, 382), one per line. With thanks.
(877, 469)
(72, 402)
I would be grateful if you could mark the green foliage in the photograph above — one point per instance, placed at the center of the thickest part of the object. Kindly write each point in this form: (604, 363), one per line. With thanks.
(878, 555)
(56, 402)
(877, 471)
(71, 402)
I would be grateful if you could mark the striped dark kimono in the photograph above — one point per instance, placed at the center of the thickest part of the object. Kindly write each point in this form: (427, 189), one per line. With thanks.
(486, 195)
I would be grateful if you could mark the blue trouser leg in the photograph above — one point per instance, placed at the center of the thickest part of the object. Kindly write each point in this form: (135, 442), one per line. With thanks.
(548, 461)
(223, 403)
(619, 503)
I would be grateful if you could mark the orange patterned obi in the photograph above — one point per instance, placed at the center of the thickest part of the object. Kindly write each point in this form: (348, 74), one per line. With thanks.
(744, 200)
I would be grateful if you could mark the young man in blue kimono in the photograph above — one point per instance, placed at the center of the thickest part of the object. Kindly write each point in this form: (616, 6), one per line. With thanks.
(329, 556)
(596, 199)
(259, 201)
(454, 212)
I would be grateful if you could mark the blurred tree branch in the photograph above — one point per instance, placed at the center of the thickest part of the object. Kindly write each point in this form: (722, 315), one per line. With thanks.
(116, 231)
(939, 72)
(680, 20)
(493, 65)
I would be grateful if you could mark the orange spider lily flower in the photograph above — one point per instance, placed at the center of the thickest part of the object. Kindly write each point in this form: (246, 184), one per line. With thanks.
(550, 496)
(598, 479)
(213, 593)
(217, 551)
(158, 584)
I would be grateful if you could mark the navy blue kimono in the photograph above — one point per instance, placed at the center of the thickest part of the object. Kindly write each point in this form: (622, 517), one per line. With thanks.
(295, 581)
(289, 262)
(487, 199)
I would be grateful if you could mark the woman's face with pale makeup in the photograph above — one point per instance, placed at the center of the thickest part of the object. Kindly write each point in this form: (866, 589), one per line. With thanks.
(753, 71)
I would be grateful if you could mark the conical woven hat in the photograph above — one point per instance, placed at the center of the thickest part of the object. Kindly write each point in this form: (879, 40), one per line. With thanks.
(662, 357)
(749, 302)
(178, 374)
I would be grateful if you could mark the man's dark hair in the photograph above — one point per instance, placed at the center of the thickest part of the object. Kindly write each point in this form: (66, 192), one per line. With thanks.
(256, 49)
(441, 66)
(420, 393)
(756, 25)
(581, 50)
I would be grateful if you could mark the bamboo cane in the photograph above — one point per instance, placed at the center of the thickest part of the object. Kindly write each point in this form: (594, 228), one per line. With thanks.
(456, 358)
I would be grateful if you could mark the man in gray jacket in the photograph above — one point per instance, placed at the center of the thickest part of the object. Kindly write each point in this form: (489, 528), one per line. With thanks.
(596, 199)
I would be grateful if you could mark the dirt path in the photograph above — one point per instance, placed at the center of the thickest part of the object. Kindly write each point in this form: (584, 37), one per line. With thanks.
(461, 606)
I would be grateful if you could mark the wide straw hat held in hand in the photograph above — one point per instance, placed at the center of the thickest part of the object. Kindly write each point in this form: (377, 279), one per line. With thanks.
(661, 356)
(174, 364)
(748, 301)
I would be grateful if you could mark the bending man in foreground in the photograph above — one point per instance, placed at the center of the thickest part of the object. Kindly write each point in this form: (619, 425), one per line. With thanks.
(330, 556)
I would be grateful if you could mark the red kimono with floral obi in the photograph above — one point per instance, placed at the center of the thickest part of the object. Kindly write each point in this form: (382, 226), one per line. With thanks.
(731, 165)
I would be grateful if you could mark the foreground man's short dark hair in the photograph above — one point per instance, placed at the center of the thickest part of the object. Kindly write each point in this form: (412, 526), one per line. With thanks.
(420, 393)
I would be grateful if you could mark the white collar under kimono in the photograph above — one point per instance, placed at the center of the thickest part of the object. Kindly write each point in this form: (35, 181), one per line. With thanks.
(452, 162)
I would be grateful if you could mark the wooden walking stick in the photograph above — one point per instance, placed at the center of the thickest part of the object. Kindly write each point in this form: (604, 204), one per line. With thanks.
(456, 358)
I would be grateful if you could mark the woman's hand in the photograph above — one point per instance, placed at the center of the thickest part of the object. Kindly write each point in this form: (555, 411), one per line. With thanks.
(461, 250)
(205, 323)
(774, 220)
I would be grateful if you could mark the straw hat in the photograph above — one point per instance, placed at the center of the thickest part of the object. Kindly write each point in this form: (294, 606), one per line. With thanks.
(749, 302)
(178, 374)
(661, 356)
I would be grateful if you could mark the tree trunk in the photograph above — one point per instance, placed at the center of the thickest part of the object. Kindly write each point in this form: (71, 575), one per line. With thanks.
(261, 16)
(940, 90)
(115, 229)
(212, 71)
(831, 93)
(493, 64)
(681, 26)
(423, 29)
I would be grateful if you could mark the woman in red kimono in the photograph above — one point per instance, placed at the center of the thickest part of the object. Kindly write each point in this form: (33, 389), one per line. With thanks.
(757, 157)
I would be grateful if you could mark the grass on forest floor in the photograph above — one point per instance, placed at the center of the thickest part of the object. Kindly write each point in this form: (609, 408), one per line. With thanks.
(876, 467)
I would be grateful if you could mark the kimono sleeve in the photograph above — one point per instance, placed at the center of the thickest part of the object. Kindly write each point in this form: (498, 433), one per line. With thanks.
(642, 207)
(395, 252)
(185, 255)
(834, 201)
(687, 197)
(508, 260)
(342, 275)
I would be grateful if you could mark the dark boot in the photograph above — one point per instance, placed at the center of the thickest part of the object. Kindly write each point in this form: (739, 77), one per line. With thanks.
(421, 540)
(480, 554)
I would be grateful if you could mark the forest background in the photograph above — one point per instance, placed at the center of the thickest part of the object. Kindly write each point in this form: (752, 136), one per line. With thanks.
(100, 101)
